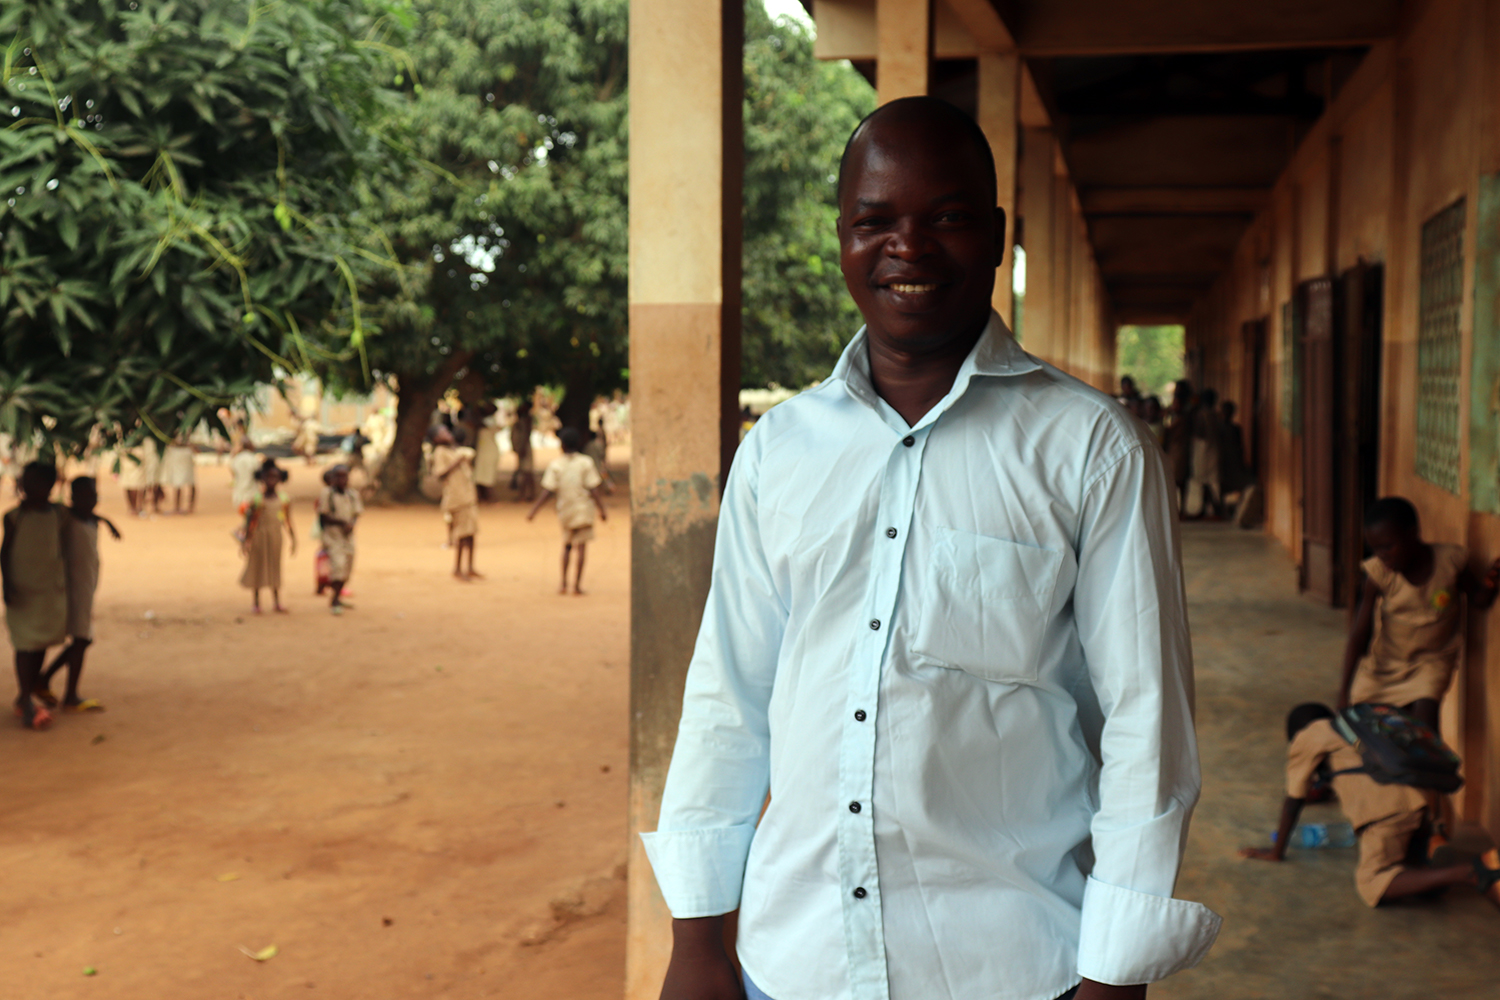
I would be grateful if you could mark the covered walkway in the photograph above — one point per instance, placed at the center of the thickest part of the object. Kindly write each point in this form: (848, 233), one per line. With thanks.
(1295, 930)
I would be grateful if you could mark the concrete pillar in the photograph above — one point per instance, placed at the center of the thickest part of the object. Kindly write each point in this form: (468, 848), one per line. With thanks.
(999, 100)
(686, 166)
(1038, 322)
(903, 45)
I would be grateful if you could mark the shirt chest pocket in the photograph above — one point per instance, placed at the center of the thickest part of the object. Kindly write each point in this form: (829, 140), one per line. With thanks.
(990, 600)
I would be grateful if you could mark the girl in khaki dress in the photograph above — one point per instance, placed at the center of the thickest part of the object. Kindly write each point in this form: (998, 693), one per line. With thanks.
(267, 515)
(1406, 655)
(33, 568)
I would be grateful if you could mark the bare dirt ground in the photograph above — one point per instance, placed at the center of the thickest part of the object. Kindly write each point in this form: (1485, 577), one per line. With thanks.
(423, 798)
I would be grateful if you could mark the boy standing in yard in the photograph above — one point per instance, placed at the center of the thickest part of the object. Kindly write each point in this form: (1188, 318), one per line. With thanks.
(454, 466)
(338, 508)
(574, 479)
(82, 545)
(34, 570)
(1389, 819)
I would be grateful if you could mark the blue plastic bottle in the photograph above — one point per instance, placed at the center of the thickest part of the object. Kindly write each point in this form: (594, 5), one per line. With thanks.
(1310, 836)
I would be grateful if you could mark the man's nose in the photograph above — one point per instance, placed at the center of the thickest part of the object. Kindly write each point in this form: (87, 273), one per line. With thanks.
(908, 241)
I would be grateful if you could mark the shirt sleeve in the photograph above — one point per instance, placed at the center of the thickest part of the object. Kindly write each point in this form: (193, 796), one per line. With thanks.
(549, 478)
(1132, 622)
(1302, 760)
(720, 771)
(591, 478)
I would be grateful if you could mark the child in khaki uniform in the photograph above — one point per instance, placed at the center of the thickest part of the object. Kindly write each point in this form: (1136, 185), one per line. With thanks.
(455, 467)
(1406, 656)
(338, 508)
(34, 571)
(574, 479)
(1387, 818)
(82, 544)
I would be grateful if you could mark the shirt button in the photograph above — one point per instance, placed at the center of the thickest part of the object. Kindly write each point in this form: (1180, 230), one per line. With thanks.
(875, 624)
(860, 893)
(854, 807)
(908, 440)
(890, 532)
(859, 715)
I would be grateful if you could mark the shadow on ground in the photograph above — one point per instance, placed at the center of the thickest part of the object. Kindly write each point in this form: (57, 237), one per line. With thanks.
(1295, 930)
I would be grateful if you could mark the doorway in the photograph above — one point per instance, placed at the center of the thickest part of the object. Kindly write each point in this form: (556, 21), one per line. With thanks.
(1340, 346)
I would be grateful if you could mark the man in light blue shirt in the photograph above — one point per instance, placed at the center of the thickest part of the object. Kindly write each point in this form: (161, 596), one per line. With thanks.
(946, 633)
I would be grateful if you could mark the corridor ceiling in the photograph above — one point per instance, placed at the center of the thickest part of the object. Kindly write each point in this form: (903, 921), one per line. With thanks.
(1174, 154)
(1174, 117)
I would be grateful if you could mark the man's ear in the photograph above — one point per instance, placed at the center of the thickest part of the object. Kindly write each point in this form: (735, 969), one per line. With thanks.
(1000, 241)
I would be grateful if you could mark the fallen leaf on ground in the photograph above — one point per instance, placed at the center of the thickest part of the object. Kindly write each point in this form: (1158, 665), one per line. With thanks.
(264, 955)
(229, 877)
(89, 970)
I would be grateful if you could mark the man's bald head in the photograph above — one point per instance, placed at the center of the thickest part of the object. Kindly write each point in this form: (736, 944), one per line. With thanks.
(924, 119)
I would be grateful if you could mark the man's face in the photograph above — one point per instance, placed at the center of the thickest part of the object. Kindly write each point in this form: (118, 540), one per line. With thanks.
(919, 237)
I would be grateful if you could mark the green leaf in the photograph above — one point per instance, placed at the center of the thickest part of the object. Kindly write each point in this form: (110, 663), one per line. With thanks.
(67, 230)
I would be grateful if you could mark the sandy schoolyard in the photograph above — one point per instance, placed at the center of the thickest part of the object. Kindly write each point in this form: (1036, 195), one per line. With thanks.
(422, 798)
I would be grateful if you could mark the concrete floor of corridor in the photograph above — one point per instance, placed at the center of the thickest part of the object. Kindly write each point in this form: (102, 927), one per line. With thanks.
(1295, 930)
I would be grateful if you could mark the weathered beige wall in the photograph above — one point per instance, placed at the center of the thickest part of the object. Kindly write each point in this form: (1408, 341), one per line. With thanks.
(1411, 132)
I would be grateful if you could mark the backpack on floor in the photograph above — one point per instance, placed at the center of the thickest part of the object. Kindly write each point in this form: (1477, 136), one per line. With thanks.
(1396, 749)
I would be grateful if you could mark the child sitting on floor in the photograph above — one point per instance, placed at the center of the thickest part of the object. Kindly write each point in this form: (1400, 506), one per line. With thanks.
(1416, 637)
(82, 546)
(1390, 820)
(34, 574)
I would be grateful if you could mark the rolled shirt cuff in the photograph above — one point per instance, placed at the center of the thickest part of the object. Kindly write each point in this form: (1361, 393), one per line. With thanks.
(1129, 937)
(700, 872)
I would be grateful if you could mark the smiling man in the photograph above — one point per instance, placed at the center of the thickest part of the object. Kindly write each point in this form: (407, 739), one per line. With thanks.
(946, 633)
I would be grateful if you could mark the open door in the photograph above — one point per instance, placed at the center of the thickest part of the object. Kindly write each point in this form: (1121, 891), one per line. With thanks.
(1321, 445)
(1361, 294)
(1258, 416)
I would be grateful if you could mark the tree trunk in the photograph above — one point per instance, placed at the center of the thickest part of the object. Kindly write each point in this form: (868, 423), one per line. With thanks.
(416, 397)
(578, 398)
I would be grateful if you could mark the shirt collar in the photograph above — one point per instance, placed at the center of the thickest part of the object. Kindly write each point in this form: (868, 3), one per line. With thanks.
(995, 353)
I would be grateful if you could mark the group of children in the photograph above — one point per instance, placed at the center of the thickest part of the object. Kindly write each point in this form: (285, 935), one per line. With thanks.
(268, 515)
(573, 479)
(49, 564)
(146, 475)
(1402, 651)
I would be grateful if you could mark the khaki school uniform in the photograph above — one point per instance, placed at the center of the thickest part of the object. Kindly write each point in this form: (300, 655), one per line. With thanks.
(178, 468)
(338, 542)
(83, 575)
(455, 467)
(263, 562)
(1417, 640)
(571, 477)
(37, 616)
(1384, 816)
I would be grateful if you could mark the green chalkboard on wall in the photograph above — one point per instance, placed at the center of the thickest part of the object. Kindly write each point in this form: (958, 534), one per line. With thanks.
(1484, 385)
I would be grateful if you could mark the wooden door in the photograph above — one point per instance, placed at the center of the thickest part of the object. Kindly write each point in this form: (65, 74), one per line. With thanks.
(1360, 293)
(1321, 445)
(1256, 418)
